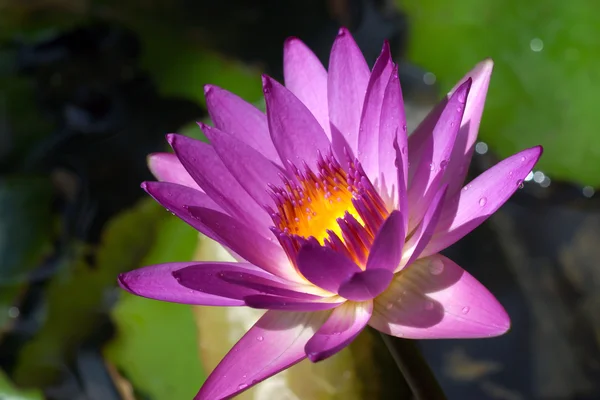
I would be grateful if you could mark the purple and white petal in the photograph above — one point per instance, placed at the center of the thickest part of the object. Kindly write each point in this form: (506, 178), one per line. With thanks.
(252, 170)
(425, 176)
(341, 328)
(175, 198)
(236, 281)
(242, 239)
(205, 166)
(392, 179)
(347, 80)
(274, 343)
(297, 135)
(325, 267)
(241, 119)
(305, 77)
(366, 285)
(434, 298)
(425, 230)
(481, 198)
(166, 167)
(368, 133)
(386, 251)
(271, 302)
(457, 168)
(157, 282)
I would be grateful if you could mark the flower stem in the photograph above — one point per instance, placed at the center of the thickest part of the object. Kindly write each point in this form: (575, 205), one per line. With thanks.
(415, 369)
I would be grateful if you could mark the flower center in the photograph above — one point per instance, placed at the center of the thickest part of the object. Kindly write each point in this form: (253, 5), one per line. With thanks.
(339, 209)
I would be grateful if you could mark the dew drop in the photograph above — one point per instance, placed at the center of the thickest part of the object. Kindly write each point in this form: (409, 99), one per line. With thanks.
(482, 201)
(242, 386)
(443, 164)
(436, 266)
(523, 159)
(260, 338)
(404, 149)
(389, 306)
(520, 184)
(465, 310)
(431, 166)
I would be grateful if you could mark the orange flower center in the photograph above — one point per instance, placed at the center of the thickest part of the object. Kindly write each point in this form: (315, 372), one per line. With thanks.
(339, 209)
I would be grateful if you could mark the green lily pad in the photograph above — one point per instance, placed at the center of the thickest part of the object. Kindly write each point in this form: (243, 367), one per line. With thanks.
(546, 77)
(76, 294)
(8, 391)
(156, 347)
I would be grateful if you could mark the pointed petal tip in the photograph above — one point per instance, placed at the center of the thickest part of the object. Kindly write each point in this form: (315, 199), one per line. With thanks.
(208, 88)
(291, 41)
(122, 280)
(343, 31)
(171, 138)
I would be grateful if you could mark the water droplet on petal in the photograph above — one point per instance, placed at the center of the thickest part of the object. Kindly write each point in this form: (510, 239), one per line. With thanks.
(404, 149)
(431, 166)
(520, 184)
(389, 306)
(483, 201)
(436, 266)
(242, 386)
(443, 164)
(260, 338)
(523, 159)
(465, 310)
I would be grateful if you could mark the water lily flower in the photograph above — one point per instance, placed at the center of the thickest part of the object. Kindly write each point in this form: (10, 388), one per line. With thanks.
(335, 215)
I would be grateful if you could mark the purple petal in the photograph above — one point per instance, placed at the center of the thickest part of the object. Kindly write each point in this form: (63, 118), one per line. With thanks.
(157, 282)
(393, 148)
(346, 87)
(242, 120)
(481, 198)
(368, 133)
(175, 198)
(267, 302)
(242, 239)
(297, 135)
(425, 230)
(251, 169)
(366, 285)
(306, 78)
(426, 175)
(386, 251)
(465, 141)
(274, 343)
(235, 281)
(166, 167)
(341, 328)
(204, 165)
(434, 298)
(325, 267)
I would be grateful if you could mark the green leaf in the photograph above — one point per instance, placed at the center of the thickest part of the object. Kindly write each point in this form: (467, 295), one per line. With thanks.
(8, 391)
(157, 345)
(76, 294)
(546, 77)
(25, 233)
